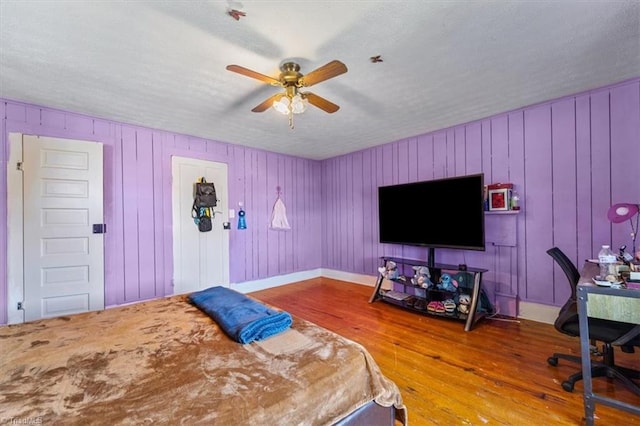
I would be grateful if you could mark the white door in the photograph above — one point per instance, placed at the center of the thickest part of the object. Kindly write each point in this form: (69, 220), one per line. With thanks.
(200, 259)
(63, 259)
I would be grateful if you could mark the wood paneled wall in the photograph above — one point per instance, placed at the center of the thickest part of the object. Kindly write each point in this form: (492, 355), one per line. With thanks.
(137, 176)
(570, 159)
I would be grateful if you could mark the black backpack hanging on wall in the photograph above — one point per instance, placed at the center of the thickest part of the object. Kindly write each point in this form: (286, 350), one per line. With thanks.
(203, 202)
(205, 194)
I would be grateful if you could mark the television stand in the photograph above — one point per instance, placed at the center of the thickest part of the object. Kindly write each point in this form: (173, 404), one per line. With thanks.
(465, 301)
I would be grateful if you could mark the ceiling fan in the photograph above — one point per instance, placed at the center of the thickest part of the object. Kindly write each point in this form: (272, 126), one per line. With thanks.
(292, 100)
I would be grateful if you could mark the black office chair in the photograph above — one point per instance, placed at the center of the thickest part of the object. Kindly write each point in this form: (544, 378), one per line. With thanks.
(607, 332)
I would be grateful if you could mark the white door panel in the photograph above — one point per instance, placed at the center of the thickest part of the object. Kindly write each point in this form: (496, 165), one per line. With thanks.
(63, 259)
(201, 259)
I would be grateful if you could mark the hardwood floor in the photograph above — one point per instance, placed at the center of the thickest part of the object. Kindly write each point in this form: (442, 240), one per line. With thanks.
(496, 374)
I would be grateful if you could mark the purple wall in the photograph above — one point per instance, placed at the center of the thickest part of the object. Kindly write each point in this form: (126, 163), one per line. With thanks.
(137, 176)
(570, 159)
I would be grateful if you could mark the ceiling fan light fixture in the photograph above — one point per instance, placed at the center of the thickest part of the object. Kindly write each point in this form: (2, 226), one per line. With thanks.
(291, 102)
(295, 105)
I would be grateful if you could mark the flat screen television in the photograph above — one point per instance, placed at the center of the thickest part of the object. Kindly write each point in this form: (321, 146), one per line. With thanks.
(440, 213)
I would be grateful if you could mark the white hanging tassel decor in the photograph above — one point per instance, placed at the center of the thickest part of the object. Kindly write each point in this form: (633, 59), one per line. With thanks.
(279, 215)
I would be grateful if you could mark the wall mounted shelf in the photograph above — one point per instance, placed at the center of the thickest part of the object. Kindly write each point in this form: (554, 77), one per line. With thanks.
(508, 212)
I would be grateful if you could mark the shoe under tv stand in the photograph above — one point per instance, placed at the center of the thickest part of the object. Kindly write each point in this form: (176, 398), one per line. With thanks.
(416, 298)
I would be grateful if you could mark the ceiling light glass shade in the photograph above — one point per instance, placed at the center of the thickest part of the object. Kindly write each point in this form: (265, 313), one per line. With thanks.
(298, 104)
(282, 105)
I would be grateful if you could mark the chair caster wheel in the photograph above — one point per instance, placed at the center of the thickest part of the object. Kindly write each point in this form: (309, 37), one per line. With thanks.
(552, 361)
(568, 386)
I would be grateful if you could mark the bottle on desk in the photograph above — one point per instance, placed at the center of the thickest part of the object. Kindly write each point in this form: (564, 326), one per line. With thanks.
(607, 260)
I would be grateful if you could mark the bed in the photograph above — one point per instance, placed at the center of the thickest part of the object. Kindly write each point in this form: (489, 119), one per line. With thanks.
(165, 361)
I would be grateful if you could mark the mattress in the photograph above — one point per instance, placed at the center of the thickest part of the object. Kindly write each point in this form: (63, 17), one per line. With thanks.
(165, 361)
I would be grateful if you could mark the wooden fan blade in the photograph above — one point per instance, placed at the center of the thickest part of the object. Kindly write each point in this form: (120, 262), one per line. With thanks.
(321, 103)
(253, 74)
(268, 103)
(325, 72)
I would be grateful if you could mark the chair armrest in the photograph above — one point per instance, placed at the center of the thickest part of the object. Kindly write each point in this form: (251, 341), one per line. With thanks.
(627, 337)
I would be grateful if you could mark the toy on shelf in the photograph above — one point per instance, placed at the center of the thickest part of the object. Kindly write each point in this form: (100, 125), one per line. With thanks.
(390, 270)
(464, 300)
(447, 283)
(421, 277)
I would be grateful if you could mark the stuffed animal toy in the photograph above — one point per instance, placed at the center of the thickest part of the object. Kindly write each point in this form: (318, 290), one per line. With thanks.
(447, 283)
(463, 303)
(421, 277)
(390, 270)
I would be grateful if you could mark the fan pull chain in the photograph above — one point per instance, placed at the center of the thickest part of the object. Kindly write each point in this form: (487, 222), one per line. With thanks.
(290, 120)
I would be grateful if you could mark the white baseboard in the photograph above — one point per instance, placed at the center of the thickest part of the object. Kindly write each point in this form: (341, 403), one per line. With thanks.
(537, 312)
(276, 281)
(368, 280)
(256, 285)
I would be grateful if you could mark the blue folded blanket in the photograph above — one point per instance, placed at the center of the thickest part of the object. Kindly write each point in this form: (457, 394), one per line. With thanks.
(241, 317)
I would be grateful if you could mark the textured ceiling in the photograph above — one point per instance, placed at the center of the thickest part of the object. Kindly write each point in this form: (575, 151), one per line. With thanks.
(161, 64)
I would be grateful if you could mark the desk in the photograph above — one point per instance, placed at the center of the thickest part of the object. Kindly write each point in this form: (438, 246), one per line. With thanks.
(607, 303)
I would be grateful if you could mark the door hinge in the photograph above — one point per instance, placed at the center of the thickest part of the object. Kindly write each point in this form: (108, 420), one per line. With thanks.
(19, 165)
(20, 307)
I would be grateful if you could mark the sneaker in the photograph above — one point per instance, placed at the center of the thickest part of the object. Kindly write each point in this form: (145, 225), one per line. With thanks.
(449, 306)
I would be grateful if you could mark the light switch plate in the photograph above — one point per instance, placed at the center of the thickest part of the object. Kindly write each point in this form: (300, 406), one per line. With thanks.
(232, 213)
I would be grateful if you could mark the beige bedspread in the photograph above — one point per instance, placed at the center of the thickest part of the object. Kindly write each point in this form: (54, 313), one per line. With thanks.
(164, 361)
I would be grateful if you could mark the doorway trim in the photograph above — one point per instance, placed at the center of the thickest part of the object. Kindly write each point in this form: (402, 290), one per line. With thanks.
(221, 213)
(15, 239)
